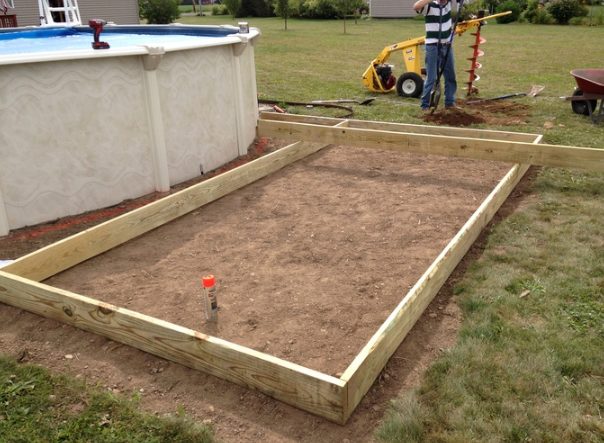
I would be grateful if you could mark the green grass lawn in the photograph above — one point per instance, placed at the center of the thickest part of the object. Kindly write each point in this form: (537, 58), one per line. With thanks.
(314, 60)
(38, 407)
(529, 362)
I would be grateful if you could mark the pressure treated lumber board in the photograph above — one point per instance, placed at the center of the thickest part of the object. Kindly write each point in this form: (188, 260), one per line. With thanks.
(66, 253)
(304, 388)
(590, 159)
(365, 368)
(400, 127)
(368, 364)
(321, 394)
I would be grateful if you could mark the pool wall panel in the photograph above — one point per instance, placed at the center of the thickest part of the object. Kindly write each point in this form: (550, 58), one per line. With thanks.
(76, 138)
(89, 132)
(198, 111)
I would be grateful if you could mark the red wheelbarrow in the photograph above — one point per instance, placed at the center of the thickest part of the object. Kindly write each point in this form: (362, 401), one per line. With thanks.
(590, 89)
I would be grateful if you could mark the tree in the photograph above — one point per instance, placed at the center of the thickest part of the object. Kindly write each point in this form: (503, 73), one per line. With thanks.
(346, 7)
(159, 12)
(282, 9)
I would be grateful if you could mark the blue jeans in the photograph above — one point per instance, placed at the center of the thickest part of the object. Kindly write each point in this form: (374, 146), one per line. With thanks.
(431, 73)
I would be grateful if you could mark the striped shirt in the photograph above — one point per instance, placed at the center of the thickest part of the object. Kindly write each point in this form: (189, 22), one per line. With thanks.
(434, 22)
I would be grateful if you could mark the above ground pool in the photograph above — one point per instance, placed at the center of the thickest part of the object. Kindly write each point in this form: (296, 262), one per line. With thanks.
(77, 39)
(87, 128)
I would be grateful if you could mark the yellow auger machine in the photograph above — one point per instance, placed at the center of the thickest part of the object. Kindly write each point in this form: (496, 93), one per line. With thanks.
(379, 78)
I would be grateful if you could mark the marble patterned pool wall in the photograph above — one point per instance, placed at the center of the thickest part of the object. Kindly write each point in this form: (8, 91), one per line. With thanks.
(88, 133)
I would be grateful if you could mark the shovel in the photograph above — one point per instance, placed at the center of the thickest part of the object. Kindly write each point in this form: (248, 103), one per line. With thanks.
(434, 98)
(367, 101)
(535, 89)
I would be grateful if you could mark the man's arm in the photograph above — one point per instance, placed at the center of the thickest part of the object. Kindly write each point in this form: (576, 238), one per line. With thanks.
(419, 4)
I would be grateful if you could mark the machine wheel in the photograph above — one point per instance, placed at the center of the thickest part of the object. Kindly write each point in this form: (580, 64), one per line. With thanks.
(409, 84)
(581, 107)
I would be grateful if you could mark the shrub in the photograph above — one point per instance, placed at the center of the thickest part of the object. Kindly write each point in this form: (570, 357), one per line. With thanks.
(598, 19)
(542, 17)
(219, 10)
(491, 5)
(255, 8)
(531, 9)
(578, 21)
(232, 6)
(469, 10)
(564, 10)
(508, 5)
(159, 12)
(318, 9)
(537, 14)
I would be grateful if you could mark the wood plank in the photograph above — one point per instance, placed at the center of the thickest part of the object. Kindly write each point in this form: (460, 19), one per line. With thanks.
(304, 388)
(285, 117)
(403, 127)
(590, 159)
(313, 391)
(368, 364)
(485, 134)
(342, 124)
(66, 253)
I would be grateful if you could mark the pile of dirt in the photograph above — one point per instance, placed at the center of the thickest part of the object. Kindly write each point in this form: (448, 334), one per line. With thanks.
(497, 112)
(453, 117)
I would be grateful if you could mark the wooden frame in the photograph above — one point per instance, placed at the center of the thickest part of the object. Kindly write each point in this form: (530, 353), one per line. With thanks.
(321, 394)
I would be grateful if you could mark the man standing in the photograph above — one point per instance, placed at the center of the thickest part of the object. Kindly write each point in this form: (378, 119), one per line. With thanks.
(438, 37)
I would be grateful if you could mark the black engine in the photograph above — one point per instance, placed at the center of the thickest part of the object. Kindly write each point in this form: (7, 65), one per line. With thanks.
(384, 72)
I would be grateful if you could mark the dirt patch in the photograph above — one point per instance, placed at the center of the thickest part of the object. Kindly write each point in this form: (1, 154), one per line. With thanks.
(290, 231)
(498, 112)
(310, 261)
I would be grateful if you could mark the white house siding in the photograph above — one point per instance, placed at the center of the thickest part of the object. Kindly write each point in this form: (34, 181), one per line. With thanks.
(391, 8)
(27, 13)
(122, 12)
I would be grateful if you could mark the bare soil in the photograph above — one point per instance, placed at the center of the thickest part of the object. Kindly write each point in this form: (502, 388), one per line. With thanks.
(309, 261)
(497, 112)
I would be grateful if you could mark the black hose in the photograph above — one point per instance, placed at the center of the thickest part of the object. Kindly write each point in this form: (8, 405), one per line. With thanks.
(349, 110)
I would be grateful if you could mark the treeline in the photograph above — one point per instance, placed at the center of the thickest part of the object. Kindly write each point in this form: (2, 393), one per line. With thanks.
(544, 12)
(533, 11)
(295, 8)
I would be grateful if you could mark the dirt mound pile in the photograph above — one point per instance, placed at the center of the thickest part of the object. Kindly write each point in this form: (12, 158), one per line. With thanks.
(498, 112)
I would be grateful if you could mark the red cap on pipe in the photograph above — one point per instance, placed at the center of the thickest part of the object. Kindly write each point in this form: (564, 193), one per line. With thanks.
(208, 281)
